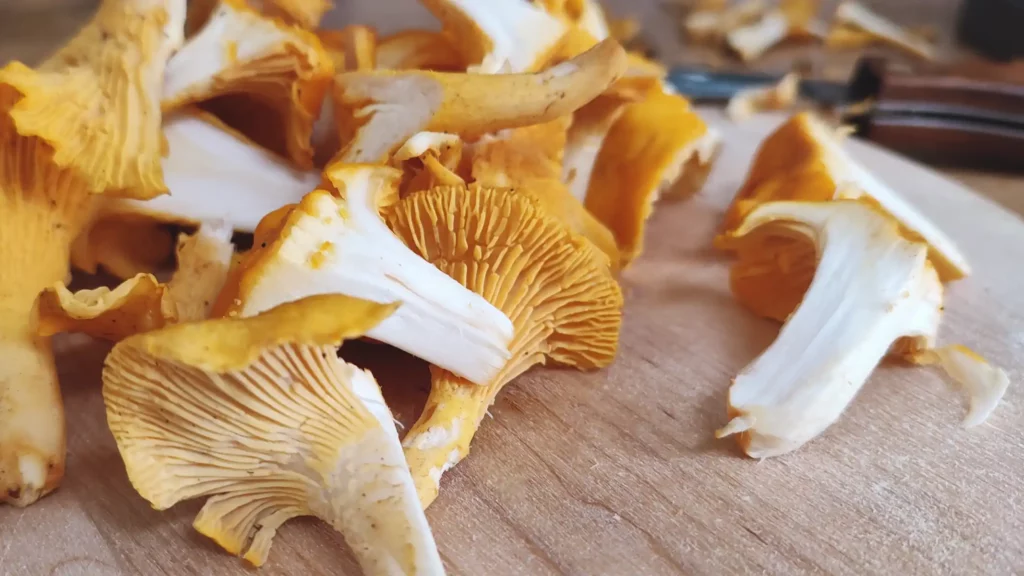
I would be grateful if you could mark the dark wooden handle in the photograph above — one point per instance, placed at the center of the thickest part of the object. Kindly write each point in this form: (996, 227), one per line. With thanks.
(950, 143)
(996, 99)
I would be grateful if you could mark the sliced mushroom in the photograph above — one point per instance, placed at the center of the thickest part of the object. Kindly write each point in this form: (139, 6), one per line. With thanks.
(266, 78)
(339, 244)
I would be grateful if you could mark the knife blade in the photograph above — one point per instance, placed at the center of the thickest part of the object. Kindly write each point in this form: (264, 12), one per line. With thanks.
(938, 118)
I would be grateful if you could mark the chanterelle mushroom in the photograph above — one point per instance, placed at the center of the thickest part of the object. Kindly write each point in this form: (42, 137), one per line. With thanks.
(560, 295)
(86, 121)
(255, 60)
(644, 153)
(214, 173)
(873, 288)
(491, 35)
(390, 106)
(852, 269)
(418, 50)
(792, 19)
(339, 244)
(259, 415)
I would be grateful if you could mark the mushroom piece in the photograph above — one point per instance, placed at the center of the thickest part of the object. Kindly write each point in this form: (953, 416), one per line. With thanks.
(113, 68)
(418, 50)
(875, 291)
(215, 173)
(390, 106)
(52, 157)
(792, 19)
(804, 160)
(429, 159)
(528, 161)
(859, 17)
(779, 96)
(142, 303)
(712, 22)
(590, 127)
(266, 78)
(639, 159)
(557, 289)
(491, 34)
(339, 244)
(260, 416)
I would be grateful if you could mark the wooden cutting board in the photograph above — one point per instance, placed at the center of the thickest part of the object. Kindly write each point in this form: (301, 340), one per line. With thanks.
(617, 472)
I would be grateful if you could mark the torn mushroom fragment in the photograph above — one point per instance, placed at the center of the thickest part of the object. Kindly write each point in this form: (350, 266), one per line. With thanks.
(874, 287)
(262, 76)
(780, 96)
(52, 159)
(214, 173)
(113, 68)
(391, 106)
(793, 19)
(645, 153)
(142, 303)
(429, 159)
(514, 36)
(711, 23)
(260, 416)
(339, 244)
(857, 17)
(563, 301)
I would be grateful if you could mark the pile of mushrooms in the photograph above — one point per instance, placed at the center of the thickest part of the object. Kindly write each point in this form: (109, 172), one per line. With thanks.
(467, 196)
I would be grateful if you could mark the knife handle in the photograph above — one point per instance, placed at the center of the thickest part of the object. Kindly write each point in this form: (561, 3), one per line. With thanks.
(942, 119)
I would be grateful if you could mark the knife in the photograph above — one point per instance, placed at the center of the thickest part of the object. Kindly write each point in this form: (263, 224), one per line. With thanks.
(938, 118)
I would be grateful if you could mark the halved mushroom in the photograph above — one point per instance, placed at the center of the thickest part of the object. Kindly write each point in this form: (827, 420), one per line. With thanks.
(418, 50)
(493, 34)
(260, 416)
(643, 154)
(214, 173)
(562, 298)
(86, 121)
(339, 244)
(875, 291)
(262, 76)
(804, 160)
(793, 19)
(142, 303)
(390, 106)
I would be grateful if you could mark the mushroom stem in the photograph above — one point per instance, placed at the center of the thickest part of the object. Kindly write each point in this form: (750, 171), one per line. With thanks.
(872, 288)
(43, 210)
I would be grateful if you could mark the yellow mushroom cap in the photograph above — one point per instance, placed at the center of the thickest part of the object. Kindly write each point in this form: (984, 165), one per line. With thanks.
(97, 100)
(561, 296)
(259, 415)
(390, 106)
(252, 63)
(491, 35)
(644, 153)
(804, 160)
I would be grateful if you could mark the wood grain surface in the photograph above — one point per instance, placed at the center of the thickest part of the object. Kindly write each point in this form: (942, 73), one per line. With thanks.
(617, 472)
